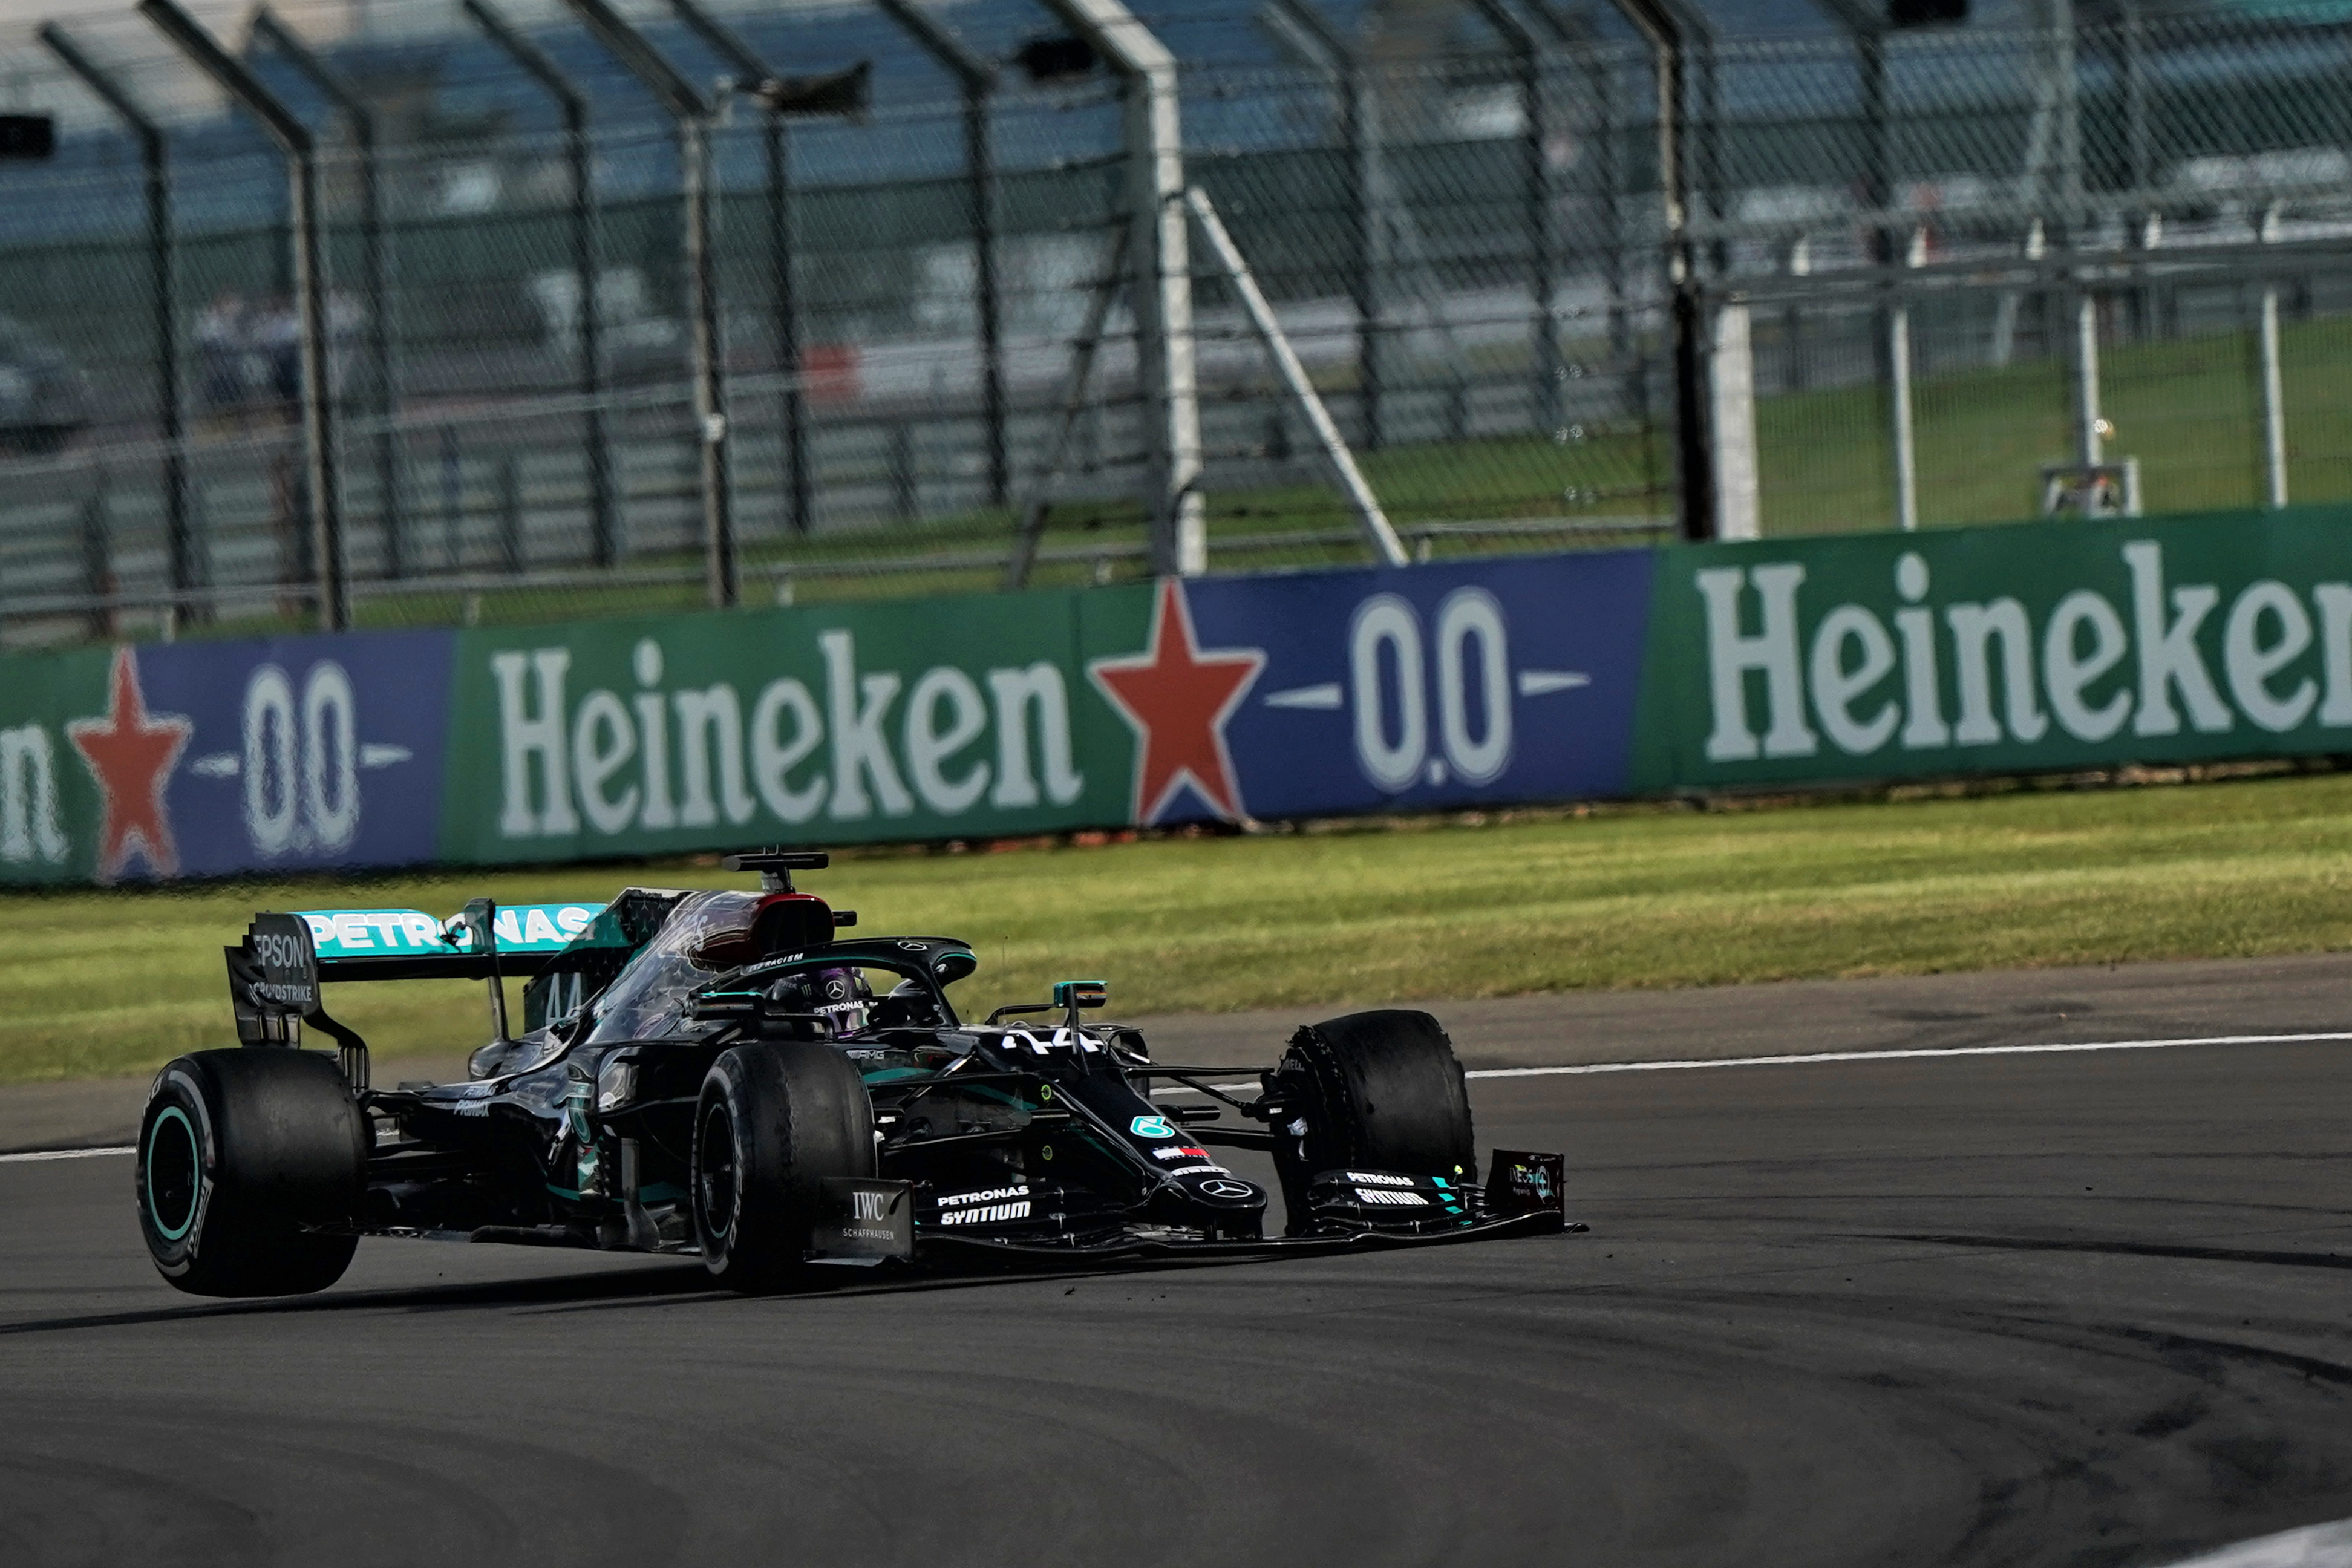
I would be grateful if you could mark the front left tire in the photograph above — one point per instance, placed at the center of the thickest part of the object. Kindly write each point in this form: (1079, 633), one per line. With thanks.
(772, 1123)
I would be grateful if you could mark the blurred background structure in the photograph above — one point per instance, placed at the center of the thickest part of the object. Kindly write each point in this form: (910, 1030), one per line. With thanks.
(624, 305)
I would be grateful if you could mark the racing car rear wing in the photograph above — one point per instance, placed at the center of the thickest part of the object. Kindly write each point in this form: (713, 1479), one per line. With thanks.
(275, 974)
(516, 940)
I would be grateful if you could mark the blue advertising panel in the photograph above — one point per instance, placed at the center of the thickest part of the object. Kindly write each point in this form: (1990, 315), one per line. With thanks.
(1430, 686)
(301, 753)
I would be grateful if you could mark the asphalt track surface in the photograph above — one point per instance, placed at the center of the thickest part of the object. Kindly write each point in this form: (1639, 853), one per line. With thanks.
(2027, 1308)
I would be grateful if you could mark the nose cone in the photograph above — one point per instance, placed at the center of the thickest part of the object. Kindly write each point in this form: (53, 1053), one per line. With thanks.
(1216, 1200)
(1224, 1192)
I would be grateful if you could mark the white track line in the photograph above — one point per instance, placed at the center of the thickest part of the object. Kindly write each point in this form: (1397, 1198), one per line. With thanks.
(1913, 1054)
(1895, 1055)
(2315, 1546)
(1888, 1056)
(63, 1154)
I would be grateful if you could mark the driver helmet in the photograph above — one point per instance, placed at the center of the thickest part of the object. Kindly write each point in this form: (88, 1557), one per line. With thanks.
(840, 994)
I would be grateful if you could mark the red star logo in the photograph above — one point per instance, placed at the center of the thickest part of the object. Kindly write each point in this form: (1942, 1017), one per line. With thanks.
(131, 754)
(1178, 700)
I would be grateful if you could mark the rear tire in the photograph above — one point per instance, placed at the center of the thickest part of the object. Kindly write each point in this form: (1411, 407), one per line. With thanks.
(772, 1123)
(239, 1150)
(1373, 1090)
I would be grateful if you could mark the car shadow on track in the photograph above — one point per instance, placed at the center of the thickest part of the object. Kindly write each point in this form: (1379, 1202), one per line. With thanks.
(668, 1285)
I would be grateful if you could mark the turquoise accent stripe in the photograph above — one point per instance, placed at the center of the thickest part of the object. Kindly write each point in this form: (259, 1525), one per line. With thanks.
(195, 1166)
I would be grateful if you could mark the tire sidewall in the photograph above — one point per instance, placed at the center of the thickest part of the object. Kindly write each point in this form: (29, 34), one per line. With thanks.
(1344, 1072)
(280, 1155)
(723, 1093)
(795, 1113)
(176, 1107)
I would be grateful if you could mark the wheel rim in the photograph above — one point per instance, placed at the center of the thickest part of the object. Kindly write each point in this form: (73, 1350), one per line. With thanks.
(715, 1186)
(173, 1174)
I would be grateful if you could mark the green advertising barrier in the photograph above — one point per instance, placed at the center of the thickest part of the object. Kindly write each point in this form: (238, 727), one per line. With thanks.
(2029, 648)
(952, 718)
(2004, 649)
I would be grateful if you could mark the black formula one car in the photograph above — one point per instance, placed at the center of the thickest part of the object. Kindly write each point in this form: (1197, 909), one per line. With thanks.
(725, 1074)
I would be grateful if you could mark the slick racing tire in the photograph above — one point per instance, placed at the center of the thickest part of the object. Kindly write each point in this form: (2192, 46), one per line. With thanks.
(241, 1152)
(1372, 1090)
(775, 1121)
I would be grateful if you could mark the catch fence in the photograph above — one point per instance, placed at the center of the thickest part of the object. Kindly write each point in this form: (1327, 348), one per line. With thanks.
(1974, 277)
(1924, 278)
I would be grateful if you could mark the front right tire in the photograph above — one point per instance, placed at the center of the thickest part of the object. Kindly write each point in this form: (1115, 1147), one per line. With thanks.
(1379, 1090)
(773, 1122)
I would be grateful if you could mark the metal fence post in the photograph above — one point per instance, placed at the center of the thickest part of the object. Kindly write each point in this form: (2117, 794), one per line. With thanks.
(604, 493)
(778, 97)
(976, 79)
(1698, 86)
(784, 308)
(1162, 293)
(784, 305)
(1660, 27)
(293, 139)
(692, 113)
(1368, 187)
(1535, 198)
(1074, 407)
(2066, 101)
(1310, 34)
(1866, 28)
(710, 362)
(2069, 108)
(98, 578)
(183, 569)
(375, 247)
(2139, 164)
(1573, 33)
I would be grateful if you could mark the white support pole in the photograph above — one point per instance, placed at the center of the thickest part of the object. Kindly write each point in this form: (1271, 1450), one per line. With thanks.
(2274, 407)
(2274, 390)
(1162, 291)
(1731, 367)
(1906, 451)
(2090, 436)
(1903, 426)
(1361, 500)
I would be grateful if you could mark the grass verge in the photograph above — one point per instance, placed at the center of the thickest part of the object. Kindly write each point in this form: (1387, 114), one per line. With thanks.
(117, 981)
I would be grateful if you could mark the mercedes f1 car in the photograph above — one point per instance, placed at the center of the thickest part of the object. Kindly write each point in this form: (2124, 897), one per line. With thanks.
(729, 1075)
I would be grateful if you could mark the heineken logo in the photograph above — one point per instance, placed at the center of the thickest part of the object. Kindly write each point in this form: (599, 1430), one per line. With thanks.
(2142, 656)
